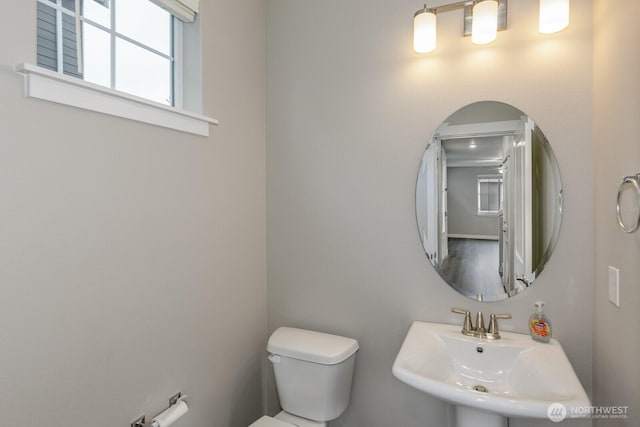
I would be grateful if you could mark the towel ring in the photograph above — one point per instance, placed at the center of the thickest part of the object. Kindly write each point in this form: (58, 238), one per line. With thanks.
(635, 181)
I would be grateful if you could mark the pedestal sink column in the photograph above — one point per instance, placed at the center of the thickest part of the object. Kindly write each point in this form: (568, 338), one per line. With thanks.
(471, 417)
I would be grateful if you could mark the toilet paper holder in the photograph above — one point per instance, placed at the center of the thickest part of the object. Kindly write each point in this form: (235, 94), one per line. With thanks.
(173, 400)
(139, 422)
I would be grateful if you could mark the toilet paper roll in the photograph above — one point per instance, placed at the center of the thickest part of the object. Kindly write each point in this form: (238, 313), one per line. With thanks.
(171, 415)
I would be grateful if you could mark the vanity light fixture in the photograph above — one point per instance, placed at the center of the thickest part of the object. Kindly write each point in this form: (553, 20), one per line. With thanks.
(482, 20)
(424, 30)
(484, 24)
(554, 16)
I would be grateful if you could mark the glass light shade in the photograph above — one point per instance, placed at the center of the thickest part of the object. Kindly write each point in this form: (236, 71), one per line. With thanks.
(554, 15)
(484, 25)
(424, 31)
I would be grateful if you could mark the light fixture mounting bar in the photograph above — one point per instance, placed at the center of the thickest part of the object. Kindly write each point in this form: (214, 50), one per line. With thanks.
(468, 16)
(451, 6)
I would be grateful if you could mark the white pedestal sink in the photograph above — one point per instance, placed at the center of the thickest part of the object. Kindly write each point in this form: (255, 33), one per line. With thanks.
(467, 417)
(488, 380)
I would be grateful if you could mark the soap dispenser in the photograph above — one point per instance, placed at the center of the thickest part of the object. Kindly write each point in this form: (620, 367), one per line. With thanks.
(539, 325)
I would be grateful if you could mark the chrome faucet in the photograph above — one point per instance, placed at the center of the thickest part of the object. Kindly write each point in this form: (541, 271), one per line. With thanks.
(479, 330)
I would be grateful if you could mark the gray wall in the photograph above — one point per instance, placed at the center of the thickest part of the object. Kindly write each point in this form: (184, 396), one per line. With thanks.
(128, 235)
(350, 110)
(616, 128)
(133, 257)
(462, 203)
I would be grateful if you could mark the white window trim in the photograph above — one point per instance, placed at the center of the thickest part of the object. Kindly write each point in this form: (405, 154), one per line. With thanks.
(185, 10)
(56, 87)
(489, 214)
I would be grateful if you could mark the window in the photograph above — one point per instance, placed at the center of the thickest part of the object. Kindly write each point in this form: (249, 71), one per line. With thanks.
(122, 58)
(489, 194)
(132, 46)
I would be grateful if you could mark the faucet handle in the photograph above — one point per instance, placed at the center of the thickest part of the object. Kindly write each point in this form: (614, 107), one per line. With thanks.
(467, 327)
(480, 330)
(502, 316)
(493, 332)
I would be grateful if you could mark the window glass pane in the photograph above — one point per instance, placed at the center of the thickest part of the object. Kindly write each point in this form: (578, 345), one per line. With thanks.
(489, 194)
(142, 73)
(97, 55)
(492, 203)
(69, 4)
(69, 46)
(97, 12)
(47, 44)
(155, 30)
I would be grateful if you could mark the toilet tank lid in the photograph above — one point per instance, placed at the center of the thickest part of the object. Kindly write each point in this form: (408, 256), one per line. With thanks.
(311, 346)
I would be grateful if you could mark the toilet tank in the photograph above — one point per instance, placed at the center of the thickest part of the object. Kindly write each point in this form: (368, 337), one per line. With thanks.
(313, 372)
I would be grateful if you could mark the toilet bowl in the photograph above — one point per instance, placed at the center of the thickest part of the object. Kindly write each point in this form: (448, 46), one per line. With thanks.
(313, 373)
(284, 419)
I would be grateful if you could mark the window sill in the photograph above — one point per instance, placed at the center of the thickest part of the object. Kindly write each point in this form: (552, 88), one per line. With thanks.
(489, 214)
(55, 87)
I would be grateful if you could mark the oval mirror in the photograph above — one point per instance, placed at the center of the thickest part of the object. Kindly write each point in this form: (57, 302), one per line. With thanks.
(489, 201)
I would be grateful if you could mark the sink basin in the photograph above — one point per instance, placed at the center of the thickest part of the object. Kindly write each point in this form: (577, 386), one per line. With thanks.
(511, 377)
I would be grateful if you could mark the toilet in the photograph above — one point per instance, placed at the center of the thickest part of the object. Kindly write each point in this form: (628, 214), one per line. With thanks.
(313, 373)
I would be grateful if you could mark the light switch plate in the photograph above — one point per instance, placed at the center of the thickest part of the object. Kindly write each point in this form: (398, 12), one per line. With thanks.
(614, 286)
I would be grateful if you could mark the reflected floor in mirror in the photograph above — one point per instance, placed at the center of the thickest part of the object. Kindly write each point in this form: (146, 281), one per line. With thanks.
(472, 267)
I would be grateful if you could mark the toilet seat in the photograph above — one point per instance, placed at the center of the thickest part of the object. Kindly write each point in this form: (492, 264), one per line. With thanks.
(270, 422)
